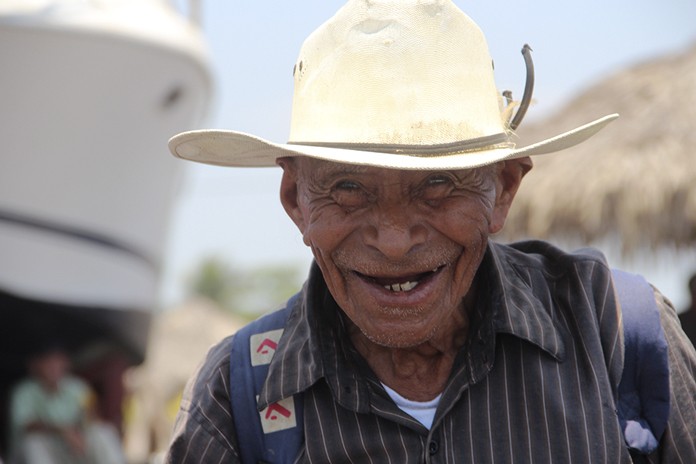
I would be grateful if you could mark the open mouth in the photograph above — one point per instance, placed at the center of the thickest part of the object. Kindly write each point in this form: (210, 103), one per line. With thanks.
(401, 283)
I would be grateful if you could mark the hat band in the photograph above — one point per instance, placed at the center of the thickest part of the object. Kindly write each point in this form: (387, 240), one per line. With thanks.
(488, 142)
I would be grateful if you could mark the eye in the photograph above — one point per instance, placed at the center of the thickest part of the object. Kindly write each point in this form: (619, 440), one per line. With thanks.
(437, 187)
(438, 179)
(349, 194)
(346, 185)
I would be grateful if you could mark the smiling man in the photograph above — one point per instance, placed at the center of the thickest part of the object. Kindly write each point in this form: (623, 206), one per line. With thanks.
(416, 337)
(398, 251)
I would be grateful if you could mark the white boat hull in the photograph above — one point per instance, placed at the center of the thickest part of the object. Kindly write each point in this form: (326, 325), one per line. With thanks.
(90, 96)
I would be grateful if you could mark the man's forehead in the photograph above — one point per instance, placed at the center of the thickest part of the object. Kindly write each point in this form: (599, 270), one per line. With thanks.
(322, 167)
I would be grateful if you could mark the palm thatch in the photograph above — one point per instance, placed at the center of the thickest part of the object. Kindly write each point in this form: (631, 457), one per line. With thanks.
(179, 340)
(635, 180)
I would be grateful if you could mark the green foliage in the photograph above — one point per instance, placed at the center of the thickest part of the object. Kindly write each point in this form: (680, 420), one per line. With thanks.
(246, 292)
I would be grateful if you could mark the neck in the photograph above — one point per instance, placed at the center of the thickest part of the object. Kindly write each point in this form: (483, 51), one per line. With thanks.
(420, 372)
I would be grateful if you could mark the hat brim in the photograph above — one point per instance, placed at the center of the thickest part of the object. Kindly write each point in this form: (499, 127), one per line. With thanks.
(230, 148)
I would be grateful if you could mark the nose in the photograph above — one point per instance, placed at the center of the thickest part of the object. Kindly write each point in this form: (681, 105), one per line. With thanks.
(395, 231)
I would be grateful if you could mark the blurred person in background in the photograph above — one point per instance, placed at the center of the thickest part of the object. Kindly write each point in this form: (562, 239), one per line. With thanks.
(52, 416)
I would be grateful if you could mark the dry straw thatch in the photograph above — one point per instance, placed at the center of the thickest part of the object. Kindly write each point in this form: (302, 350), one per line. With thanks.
(179, 341)
(635, 180)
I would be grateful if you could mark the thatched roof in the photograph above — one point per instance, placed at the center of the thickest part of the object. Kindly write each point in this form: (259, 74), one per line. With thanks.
(179, 340)
(636, 179)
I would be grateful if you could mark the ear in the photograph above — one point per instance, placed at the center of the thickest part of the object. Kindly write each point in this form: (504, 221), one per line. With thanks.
(289, 191)
(509, 178)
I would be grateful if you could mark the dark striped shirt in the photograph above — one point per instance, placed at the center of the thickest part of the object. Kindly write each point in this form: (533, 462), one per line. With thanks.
(535, 382)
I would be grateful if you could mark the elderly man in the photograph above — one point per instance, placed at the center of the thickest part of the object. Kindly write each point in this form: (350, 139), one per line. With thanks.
(416, 338)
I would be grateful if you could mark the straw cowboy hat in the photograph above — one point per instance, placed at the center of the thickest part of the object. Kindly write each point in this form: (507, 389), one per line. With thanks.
(405, 85)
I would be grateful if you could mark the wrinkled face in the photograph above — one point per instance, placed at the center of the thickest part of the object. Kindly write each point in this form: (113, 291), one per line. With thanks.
(398, 249)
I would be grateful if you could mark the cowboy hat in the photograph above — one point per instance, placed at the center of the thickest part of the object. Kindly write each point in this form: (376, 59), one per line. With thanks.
(405, 85)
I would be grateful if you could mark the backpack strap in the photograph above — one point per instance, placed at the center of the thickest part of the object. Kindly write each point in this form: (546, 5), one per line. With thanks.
(644, 391)
(275, 434)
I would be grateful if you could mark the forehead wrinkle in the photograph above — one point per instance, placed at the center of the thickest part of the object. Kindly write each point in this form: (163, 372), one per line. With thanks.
(322, 167)
(320, 171)
(317, 170)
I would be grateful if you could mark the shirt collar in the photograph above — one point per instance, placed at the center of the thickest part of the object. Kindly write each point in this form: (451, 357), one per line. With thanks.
(314, 345)
(519, 309)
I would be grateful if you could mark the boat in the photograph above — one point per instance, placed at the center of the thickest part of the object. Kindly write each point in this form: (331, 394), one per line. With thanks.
(91, 91)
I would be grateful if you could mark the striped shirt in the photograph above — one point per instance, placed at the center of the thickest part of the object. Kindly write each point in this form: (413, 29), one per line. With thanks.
(534, 383)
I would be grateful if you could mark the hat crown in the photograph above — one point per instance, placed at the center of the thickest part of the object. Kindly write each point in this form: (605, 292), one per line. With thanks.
(395, 73)
(401, 84)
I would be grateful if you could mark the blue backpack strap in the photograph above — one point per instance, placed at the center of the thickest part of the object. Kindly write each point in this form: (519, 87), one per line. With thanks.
(644, 391)
(275, 434)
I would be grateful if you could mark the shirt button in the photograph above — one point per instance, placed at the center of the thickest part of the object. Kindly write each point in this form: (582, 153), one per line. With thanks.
(433, 447)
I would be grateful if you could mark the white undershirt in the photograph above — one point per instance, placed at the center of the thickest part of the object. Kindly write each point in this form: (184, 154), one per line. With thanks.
(422, 411)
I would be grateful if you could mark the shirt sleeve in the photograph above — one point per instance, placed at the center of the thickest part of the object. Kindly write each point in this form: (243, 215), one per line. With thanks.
(678, 443)
(21, 406)
(204, 429)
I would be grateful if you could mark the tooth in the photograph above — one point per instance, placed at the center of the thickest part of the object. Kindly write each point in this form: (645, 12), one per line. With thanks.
(403, 287)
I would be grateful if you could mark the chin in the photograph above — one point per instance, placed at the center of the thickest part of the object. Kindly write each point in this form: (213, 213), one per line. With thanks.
(397, 338)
